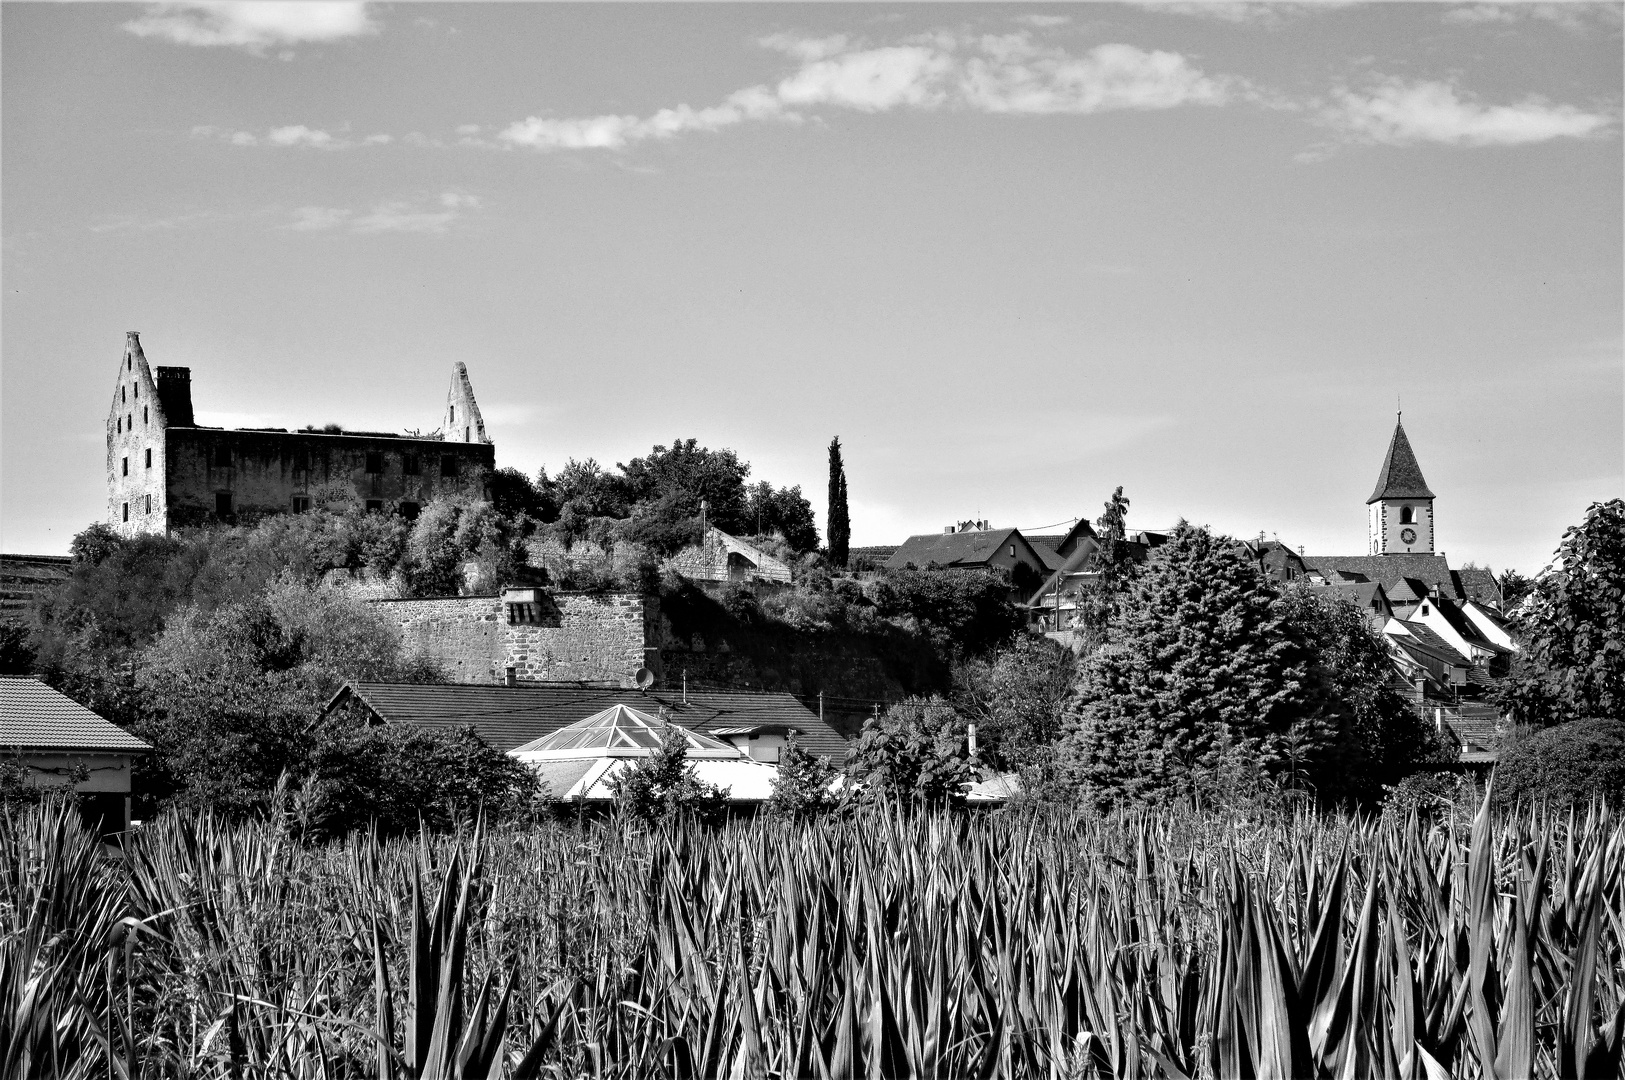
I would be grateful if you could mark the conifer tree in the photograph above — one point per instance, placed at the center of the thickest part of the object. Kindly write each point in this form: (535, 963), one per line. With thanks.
(1199, 672)
(840, 524)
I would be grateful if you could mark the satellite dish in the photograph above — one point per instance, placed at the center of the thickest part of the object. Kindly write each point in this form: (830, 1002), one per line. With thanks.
(645, 678)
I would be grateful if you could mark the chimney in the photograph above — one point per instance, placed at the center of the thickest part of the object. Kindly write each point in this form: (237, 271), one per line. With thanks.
(510, 675)
(947, 530)
(175, 396)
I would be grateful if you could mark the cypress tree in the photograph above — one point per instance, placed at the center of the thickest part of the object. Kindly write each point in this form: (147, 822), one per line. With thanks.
(840, 525)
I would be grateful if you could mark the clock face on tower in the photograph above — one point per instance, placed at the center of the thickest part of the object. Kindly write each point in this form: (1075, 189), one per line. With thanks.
(1408, 535)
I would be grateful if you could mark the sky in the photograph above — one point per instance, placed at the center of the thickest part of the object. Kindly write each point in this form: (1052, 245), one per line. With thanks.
(1012, 255)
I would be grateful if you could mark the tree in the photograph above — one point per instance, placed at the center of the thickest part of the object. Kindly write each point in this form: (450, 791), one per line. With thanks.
(1514, 587)
(396, 777)
(784, 511)
(1114, 562)
(1565, 763)
(801, 788)
(687, 474)
(968, 611)
(1017, 698)
(1197, 673)
(916, 751)
(840, 522)
(515, 496)
(1357, 735)
(1572, 626)
(664, 786)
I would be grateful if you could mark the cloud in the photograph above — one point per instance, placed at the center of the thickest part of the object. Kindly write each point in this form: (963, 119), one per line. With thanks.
(1231, 11)
(1006, 74)
(386, 217)
(1576, 18)
(298, 135)
(253, 25)
(1399, 113)
(290, 135)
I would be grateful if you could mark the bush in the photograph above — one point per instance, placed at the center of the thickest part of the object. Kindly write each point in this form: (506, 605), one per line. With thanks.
(801, 789)
(398, 777)
(1564, 764)
(663, 786)
(916, 752)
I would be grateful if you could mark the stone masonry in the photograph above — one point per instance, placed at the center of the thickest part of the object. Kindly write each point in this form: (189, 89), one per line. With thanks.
(544, 636)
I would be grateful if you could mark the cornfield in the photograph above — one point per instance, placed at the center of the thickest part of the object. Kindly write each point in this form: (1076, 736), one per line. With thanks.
(894, 945)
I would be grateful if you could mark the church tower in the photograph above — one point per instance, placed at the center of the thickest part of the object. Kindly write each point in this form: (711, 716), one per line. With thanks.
(1401, 509)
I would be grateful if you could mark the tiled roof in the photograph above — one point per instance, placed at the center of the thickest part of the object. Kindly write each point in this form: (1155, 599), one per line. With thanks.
(1046, 554)
(1401, 476)
(1431, 642)
(1462, 625)
(1387, 570)
(510, 716)
(972, 548)
(35, 717)
(1478, 583)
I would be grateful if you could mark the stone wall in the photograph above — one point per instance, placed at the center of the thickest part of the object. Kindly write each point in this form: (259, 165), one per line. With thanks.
(565, 637)
(24, 577)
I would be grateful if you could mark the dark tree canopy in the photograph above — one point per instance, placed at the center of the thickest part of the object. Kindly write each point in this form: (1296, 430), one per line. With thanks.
(1566, 763)
(840, 521)
(684, 475)
(785, 511)
(1198, 666)
(1572, 627)
(964, 610)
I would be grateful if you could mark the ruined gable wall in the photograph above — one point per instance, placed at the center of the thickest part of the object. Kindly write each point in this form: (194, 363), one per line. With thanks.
(462, 421)
(136, 447)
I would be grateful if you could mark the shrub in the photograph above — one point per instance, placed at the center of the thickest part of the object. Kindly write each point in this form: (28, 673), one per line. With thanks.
(915, 752)
(1563, 764)
(663, 786)
(396, 777)
(801, 789)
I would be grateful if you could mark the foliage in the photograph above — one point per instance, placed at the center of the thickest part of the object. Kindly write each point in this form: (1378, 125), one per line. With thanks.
(1198, 671)
(1573, 627)
(840, 520)
(916, 751)
(516, 497)
(1097, 599)
(1514, 587)
(802, 787)
(663, 785)
(1017, 698)
(781, 511)
(1357, 734)
(1131, 946)
(965, 611)
(400, 777)
(684, 475)
(1566, 763)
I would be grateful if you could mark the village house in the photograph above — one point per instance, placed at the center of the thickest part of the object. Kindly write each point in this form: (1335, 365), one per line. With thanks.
(58, 743)
(973, 545)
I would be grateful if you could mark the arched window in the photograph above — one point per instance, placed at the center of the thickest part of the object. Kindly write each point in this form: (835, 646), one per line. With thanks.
(1407, 515)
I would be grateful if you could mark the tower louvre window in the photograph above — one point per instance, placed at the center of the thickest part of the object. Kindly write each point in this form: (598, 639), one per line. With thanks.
(1407, 515)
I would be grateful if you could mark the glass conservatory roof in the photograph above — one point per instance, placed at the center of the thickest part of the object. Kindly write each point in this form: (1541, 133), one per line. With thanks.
(621, 731)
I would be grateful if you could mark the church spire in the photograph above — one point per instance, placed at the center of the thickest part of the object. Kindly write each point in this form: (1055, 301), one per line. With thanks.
(1401, 476)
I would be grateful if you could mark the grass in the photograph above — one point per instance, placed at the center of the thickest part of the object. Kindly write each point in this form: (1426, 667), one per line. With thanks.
(1167, 945)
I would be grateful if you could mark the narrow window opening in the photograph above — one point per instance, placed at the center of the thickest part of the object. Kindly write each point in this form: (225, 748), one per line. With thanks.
(144, 417)
(222, 456)
(409, 464)
(467, 435)
(222, 504)
(375, 461)
(149, 457)
(448, 465)
(126, 466)
(126, 511)
(118, 425)
(149, 504)
(452, 414)
(124, 393)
